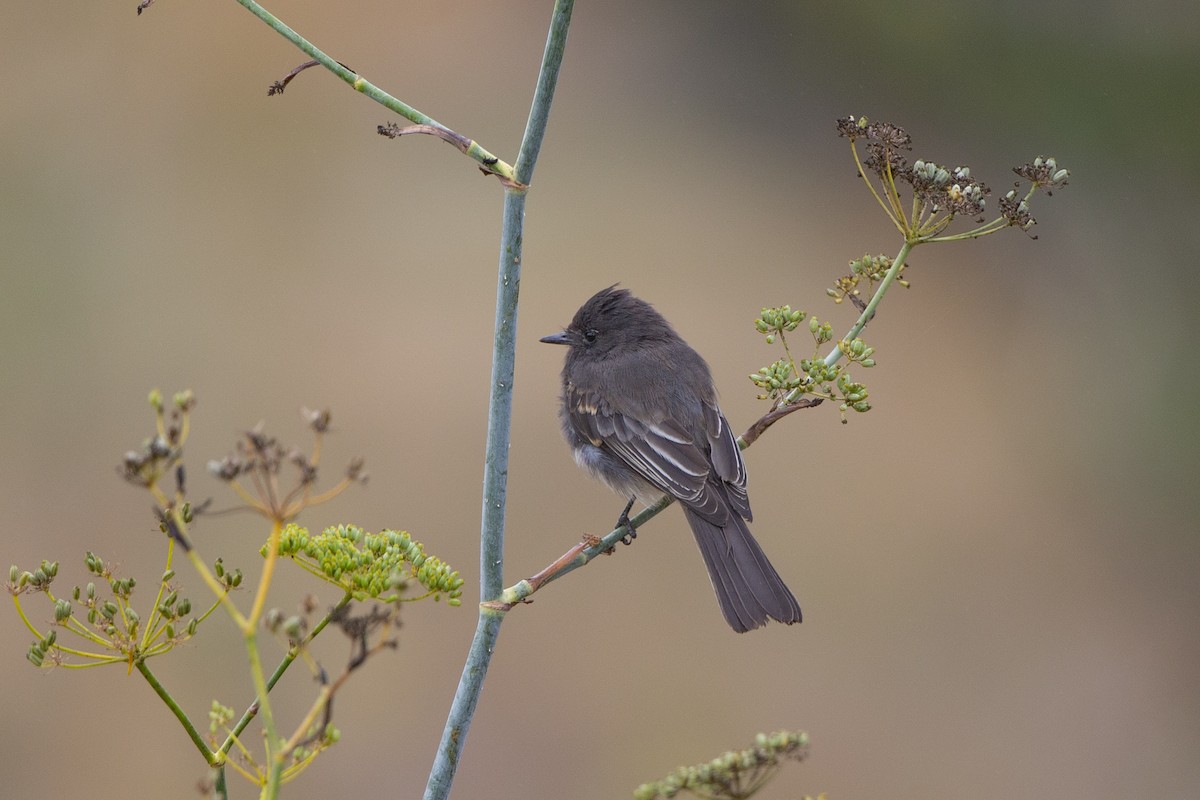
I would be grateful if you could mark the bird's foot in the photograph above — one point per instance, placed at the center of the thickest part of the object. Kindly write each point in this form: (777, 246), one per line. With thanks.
(623, 522)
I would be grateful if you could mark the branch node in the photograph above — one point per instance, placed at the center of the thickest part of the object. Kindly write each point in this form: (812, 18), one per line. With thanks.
(499, 605)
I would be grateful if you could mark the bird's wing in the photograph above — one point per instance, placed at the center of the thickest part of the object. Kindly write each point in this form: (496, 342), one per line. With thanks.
(665, 454)
(727, 458)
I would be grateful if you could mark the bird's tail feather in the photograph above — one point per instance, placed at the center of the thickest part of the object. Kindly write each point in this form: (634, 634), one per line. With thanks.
(748, 588)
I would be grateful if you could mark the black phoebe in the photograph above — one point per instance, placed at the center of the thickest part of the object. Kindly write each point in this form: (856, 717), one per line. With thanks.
(639, 410)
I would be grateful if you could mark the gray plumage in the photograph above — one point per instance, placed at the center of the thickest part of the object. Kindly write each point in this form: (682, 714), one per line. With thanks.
(640, 412)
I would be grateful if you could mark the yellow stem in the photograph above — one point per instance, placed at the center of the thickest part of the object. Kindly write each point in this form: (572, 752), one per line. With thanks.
(162, 587)
(256, 778)
(324, 497)
(863, 174)
(218, 589)
(316, 453)
(318, 707)
(264, 584)
(250, 499)
(893, 196)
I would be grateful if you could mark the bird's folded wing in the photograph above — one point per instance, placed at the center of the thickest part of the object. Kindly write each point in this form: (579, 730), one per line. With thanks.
(727, 458)
(663, 453)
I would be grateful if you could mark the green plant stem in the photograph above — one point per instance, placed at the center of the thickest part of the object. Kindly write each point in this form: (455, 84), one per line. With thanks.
(495, 480)
(209, 756)
(271, 735)
(543, 93)
(889, 277)
(252, 711)
(360, 84)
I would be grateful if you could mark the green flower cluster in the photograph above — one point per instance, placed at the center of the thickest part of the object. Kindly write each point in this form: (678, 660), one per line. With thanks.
(369, 565)
(872, 268)
(38, 580)
(777, 380)
(774, 322)
(734, 775)
(111, 625)
(786, 381)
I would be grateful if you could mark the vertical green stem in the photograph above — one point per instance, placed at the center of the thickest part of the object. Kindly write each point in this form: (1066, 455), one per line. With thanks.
(495, 476)
(220, 789)
(251, 712)
(271, 735)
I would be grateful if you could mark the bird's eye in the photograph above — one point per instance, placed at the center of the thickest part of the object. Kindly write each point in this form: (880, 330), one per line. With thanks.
(590, 335)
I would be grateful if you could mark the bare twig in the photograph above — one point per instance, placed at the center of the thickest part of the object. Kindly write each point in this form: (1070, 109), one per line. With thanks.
(774, 415)
(278, 86)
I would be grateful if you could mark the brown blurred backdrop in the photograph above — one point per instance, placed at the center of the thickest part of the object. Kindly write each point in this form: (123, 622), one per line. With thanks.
(998, 565)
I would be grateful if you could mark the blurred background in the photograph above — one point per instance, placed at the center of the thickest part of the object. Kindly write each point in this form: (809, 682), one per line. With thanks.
(998, 565)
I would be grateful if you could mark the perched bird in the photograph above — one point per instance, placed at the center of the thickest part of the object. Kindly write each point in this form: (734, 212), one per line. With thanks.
(639, 410)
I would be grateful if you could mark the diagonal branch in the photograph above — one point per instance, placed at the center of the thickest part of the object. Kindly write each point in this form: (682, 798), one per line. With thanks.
(488, 162)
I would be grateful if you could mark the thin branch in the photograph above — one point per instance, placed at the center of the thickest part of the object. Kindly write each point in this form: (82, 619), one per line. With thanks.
(578, 556)
(495, 479)
(774, 415)
(278, 86)
(488, 162)
(394, 131)
(180, 714)
(252, 710)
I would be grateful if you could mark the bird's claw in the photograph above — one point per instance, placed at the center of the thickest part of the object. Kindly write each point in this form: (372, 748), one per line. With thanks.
(623, 522)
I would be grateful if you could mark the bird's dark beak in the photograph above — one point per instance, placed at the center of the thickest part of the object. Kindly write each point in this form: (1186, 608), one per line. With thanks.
(556, 338)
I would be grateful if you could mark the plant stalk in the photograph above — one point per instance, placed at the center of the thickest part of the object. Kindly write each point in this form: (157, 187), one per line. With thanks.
(495, 476)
